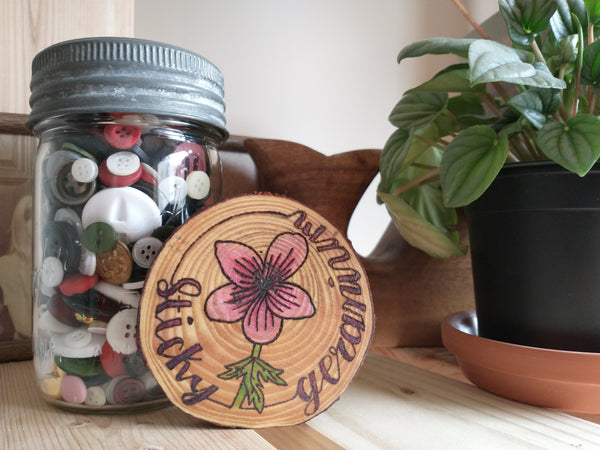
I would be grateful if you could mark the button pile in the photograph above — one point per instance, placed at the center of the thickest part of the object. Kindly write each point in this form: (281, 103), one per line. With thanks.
(112, 195)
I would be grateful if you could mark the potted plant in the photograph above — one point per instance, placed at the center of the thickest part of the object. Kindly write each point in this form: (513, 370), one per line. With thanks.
(511, 134)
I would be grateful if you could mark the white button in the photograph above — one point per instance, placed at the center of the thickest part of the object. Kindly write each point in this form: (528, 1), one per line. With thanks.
(97, 327)
(198, 184)
(95, 396)
(123, 163)
(172, 191)
(52, 271)
(118, 293)
(129, 211)
(79, 343)
(145, 251)
(133, 285)
(87, 263)
(58, 159)
(121, 331)
(84, 170)
(50, 324)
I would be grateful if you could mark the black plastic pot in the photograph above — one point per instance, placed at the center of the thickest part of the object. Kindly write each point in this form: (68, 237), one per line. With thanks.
(535, 248)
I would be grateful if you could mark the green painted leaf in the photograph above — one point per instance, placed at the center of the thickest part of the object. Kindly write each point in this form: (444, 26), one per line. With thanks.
(537, 104)
(575, 145)
(436, 46)
(525, 19)
(491, 61)
(415, 110)
(419, 232)
(470, 163)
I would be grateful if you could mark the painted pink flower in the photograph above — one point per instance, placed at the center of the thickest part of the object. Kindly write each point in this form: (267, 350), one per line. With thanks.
(258, 293)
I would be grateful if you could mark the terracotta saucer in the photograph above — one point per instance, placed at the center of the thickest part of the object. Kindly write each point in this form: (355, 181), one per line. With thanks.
(565, 380)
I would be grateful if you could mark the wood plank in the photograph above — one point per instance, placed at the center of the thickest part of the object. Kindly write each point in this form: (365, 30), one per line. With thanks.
(28, 26)
(394, 405)
(30, 423)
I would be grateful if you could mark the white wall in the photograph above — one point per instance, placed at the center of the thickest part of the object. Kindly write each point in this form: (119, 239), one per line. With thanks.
(319, 72)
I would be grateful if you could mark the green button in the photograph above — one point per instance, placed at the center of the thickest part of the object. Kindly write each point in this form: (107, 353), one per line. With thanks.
(99, 237)
(83, 367)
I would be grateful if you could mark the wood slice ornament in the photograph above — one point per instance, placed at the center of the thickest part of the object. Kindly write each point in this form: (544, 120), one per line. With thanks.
(256, 313)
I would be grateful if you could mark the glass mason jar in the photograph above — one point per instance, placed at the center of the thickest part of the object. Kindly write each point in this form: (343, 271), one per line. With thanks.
(128, 133)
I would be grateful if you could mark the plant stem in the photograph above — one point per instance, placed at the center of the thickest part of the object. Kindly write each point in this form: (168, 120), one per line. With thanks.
(426, 177)
(256, 350)
(441, 144)
(242, 391)
(470, 19)
(538, 52)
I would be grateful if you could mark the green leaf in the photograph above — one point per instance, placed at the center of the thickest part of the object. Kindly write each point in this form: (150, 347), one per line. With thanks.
(453, 79)
(525, 19)
(436, 46)
(590, 72)
(419, 232)
(562, 24)
(470, 163)
(466, 104)
(574, 145)
(593, 9)
(491, 62)
(537, 104)
(393, 155)
(415, 110)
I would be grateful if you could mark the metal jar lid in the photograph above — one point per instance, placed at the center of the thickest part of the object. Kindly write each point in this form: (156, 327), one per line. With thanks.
(113, 74)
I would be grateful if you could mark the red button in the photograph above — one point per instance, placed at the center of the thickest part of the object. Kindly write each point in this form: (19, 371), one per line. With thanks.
(128, 391)
(61, 312)
(112, 361)
(78, 284)
(112, 180)
(122, 136)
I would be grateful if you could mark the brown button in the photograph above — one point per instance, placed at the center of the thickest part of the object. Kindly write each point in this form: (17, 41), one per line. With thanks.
(115, 266)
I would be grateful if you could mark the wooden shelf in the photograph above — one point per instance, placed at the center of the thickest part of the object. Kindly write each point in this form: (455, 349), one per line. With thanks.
(401, 398)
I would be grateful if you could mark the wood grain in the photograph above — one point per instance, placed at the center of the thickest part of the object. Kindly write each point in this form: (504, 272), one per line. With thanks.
(28, 26)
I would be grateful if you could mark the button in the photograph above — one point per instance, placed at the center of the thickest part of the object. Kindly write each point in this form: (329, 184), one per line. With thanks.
(98, 327)
(60, 239)
(67, 190)
(50, 386)
(86, 368)
(129, 211)
(120, 294)
(78, 284)
(49, 323)
(134, 285)
(135, 365)
(145, 250)
(61, 312)
(70, 216)
(121, 331)
(57, 160)
(52, 271)
(99, 237)
(95, 396)
(122, 136)
(195, 158)
(92, 305)
(172, 190)
(112, 362)
(78, 150)
(79, 343)
(116, 265)
(123, 163)
(84, 170)
(87, 263)
(198, 185)
(73, 389)
(112, 180)
(149, 174)
(127, 391)
(153, 389)
(163, 232)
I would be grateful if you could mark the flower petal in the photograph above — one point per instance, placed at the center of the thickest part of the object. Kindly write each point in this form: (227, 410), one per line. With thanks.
(289, 301)
(260, 325)
(225, 304)
(239, 263)
(285, 255)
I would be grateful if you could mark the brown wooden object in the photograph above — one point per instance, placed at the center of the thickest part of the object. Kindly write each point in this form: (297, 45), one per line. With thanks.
(256, 313)
(412, 291)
